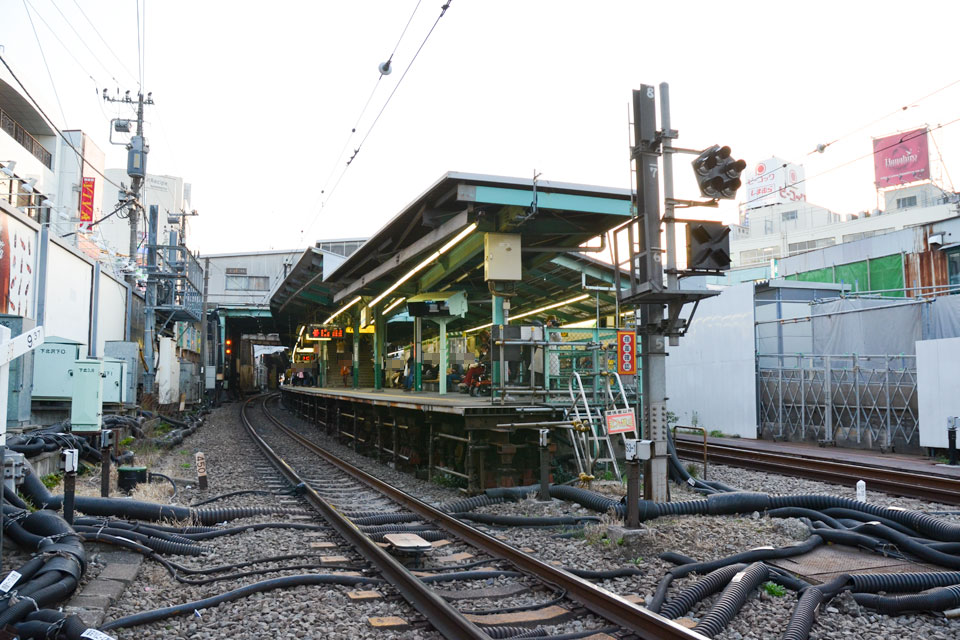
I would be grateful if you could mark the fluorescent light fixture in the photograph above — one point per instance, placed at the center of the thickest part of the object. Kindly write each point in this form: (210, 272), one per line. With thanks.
(342, 309)
(582, 324)
(535, 311)
(550, 306)
(392, 305)
(426, 262)
(483, 326)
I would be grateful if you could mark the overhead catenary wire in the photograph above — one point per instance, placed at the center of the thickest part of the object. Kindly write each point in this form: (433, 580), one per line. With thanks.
(820, 148)
(353, 129)
(900, 140)
(443, 10)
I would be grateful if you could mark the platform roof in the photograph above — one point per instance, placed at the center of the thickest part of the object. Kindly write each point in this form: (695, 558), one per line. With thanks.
(450, 218)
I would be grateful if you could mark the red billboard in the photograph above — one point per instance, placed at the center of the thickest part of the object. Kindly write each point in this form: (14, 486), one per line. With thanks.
(901, 158)
(86, 200)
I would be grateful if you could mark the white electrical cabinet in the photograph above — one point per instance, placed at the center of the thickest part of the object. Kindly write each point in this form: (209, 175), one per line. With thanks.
(86, 408)
(129, 352)
(168, 372)
(501, 256)
(53, 364)
(114, 374)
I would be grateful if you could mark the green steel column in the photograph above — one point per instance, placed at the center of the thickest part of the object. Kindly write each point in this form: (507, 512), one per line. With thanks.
(379, 325)
(356, 351)
(497, 319)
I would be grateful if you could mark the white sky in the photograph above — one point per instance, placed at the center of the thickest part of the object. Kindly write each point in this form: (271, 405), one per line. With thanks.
(255, 100)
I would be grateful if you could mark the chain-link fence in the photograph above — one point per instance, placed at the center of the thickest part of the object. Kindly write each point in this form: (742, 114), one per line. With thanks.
(862, 401)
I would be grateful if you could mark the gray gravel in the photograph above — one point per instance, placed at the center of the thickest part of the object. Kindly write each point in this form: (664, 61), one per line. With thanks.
(325, 612)
(302, 612)
(701, 537)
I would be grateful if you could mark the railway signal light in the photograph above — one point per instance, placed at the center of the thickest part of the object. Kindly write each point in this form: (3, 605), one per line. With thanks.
(708, 246)
(717, 173)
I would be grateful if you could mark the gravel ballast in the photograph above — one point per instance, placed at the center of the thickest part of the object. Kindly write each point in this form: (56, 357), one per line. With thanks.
(234, 463)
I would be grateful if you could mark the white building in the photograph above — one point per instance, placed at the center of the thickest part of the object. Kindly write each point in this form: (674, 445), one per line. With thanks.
(777, 221)
(170, 193)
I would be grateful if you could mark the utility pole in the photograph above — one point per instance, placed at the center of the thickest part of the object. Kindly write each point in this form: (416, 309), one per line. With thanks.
(203, 324)
(150, 323)
(137, 150)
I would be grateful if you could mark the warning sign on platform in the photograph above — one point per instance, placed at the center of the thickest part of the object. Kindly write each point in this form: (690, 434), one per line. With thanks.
(621, 421)
(626, 353)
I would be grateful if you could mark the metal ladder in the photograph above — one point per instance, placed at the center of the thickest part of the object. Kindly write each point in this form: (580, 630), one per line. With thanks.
(591, 440)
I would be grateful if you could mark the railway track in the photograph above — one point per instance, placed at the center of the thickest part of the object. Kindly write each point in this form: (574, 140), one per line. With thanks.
(626, 619)
(931, 487)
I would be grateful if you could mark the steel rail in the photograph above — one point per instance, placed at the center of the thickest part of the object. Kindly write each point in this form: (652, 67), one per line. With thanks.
(608, 605)
(932, 487)
(445, 619)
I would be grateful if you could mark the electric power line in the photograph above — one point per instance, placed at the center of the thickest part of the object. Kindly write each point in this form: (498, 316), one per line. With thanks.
(44, 58)
(942, 163)
(143, 59)
(55, 128)
(139, 56)
(120, 206)
(105, 43)
(82, 40)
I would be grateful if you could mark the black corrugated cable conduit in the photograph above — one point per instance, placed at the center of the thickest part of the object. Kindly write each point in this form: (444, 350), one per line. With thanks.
(259, 526)
(854, 514)
(188, 608)
(156, 544)
(734, 596)
(511, 633)
(524, 521)
(469, 504)
(901, 582)
(753, 555)
(804, 614)
(705, 586)
(386, 518)
(48, 623)
(937, 599)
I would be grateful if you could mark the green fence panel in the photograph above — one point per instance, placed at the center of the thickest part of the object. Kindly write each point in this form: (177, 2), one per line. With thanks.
(887, 273)
(854, 275)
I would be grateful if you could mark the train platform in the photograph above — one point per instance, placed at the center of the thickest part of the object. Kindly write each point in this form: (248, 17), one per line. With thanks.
(455, 403)
(901, 462)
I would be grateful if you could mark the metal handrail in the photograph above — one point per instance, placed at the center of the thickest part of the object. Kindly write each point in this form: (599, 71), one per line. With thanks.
(27, 141)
